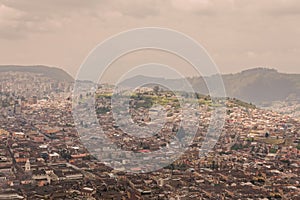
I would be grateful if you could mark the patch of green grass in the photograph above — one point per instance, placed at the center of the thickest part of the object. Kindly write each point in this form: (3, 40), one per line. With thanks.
(273, 150)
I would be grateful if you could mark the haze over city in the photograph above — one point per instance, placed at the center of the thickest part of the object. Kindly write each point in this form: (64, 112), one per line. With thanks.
(237, 34)
(148, 115)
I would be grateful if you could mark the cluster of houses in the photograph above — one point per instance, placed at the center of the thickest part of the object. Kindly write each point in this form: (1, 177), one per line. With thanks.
(43, 156)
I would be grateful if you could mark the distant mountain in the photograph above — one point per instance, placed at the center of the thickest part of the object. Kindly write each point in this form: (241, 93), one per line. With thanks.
(51, 72)
(263, 85)
(151, 81)
(259, 85)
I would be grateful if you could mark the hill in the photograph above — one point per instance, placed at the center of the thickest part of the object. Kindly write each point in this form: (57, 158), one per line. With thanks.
(263, 85)
(259, 85)
(51, 72)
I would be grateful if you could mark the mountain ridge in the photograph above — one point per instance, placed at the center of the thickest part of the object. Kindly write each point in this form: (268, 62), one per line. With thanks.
(52, 72)
(256, 85)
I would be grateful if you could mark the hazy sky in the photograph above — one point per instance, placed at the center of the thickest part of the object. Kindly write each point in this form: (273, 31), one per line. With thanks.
(238, 34)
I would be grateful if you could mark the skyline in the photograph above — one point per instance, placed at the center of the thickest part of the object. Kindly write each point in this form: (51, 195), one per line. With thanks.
(149, 99)
(155, 74)
(238, 35)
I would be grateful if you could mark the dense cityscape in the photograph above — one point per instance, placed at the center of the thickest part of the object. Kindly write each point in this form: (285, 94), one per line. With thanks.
(42, 155)
(149, 100)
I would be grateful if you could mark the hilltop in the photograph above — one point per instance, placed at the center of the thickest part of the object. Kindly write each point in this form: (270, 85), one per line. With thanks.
(259, 85)
(51, 72)
(263, 85)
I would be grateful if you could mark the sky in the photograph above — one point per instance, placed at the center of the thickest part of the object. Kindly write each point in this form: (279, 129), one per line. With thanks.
(238, 34)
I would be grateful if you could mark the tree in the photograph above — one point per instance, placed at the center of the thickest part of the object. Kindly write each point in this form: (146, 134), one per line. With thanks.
(156, 89)
(267, 135)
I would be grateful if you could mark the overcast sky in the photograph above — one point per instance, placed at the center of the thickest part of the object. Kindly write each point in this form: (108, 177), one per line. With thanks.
(238, 34)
